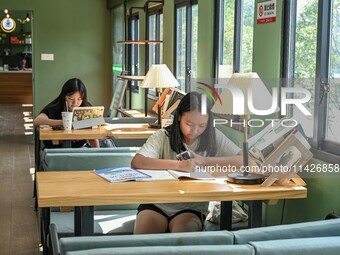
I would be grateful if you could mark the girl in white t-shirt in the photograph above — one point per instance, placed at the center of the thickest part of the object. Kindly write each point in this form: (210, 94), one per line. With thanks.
(191, 130)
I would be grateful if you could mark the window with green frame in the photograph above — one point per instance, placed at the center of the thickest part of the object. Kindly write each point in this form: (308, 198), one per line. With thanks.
(312, 61)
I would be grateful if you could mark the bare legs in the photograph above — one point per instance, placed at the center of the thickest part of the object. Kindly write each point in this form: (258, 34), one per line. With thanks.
(149, 221)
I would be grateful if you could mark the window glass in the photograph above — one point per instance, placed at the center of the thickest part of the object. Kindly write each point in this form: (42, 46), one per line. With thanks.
(152, 36)
(247, 36)
(305, 58)
(333, 109)
(226, 38)
(134, 47)
(181, 45)
(161, 38)
(194, 43)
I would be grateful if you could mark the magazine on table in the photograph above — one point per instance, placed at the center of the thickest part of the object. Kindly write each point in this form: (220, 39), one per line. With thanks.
(121, 174)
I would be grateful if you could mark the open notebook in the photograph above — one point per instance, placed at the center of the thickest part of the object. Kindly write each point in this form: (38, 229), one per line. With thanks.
(159, 175)
(122, 174)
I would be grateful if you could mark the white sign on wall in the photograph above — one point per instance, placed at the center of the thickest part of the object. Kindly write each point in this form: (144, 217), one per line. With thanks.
(266, 12)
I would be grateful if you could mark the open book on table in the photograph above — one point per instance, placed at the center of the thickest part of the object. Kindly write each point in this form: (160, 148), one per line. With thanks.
(160, 175)
(122, 174)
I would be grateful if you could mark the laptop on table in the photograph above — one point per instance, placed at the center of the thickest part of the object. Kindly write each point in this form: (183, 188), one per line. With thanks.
(88, 116)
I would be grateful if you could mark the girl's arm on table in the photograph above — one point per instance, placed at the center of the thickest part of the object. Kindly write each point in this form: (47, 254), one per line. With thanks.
(142, 162)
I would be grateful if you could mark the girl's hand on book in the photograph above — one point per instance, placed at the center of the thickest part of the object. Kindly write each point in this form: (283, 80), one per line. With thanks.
(196, 160)
(184, 165)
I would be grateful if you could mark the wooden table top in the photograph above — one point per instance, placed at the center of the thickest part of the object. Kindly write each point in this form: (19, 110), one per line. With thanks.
(78, 134)
(117, 131)
(129, 131)
(85, 188)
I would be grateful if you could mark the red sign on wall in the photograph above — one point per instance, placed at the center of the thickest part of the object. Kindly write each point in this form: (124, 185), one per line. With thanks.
(266, 12)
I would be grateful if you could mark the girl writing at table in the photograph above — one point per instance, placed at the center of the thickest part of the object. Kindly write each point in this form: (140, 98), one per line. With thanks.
(73, 94)
(207, 146)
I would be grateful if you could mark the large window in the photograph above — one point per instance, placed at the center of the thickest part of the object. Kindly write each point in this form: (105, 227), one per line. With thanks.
(313, 63)
(246, 64)
(155, 32)
(225, 38)
(186, 41)
(234, 25)
(134, 49)
(333, 108)
(305, 52)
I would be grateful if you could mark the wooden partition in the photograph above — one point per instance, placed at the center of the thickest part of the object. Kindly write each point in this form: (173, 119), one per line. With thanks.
(15, 87)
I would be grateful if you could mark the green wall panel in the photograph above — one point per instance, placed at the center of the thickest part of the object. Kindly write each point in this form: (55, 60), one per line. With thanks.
(267, 45)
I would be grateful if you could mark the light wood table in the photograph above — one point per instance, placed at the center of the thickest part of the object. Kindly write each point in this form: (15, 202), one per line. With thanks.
(116, 131)
(55, 136)
(84, 189)
(135, 113)
(129, 131)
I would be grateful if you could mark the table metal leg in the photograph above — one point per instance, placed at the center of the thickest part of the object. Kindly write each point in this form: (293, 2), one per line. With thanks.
(255, 213)
(67, 144)
(45, 222)
(84, 221)
(226, 215)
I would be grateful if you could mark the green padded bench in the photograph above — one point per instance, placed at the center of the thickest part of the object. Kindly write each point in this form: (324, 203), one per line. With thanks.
(113, 219)
(86, 158)
(312, 238)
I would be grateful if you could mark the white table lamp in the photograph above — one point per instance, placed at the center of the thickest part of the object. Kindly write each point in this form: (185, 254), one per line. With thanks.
(159, 77)
(243, 90)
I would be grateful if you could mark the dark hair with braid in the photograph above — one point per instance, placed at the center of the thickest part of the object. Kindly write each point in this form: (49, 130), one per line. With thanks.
(190, 102)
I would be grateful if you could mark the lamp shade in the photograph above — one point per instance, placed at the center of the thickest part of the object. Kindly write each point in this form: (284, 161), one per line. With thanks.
(246, 94)
(159, 76)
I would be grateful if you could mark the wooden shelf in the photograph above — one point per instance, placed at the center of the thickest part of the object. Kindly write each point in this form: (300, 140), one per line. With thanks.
(140, 42)
(131, 77)
(136, 113)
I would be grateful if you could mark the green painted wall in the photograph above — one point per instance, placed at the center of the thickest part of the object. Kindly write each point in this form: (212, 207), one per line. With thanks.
(267, 45)
(205, 42)
(77, 32)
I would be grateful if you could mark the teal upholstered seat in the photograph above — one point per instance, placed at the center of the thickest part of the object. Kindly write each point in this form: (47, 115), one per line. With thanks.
(298, 230)
(109, 219)
(177, 250)
(309, 246)
(312, 238)
(173, 239)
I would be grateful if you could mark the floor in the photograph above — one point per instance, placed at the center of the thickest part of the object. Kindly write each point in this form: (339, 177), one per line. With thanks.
(19, 223)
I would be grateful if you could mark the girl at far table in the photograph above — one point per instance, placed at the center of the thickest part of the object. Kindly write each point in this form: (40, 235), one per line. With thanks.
(208, 147)
(73, 94)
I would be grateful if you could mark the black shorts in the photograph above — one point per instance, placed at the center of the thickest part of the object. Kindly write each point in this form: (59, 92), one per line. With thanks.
(152, 207)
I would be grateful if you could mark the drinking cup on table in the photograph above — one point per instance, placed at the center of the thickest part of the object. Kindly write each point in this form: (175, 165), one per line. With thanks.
(67, 120)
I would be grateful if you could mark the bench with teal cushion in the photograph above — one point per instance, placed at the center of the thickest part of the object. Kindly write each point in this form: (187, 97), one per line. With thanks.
(329, 245)
(176, 250)
(318, 237)
(113, 219)
(64, 159)
(289, 231)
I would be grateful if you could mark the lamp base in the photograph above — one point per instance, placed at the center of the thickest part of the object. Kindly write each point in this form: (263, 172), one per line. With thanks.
(250, 178)
(154, 125)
